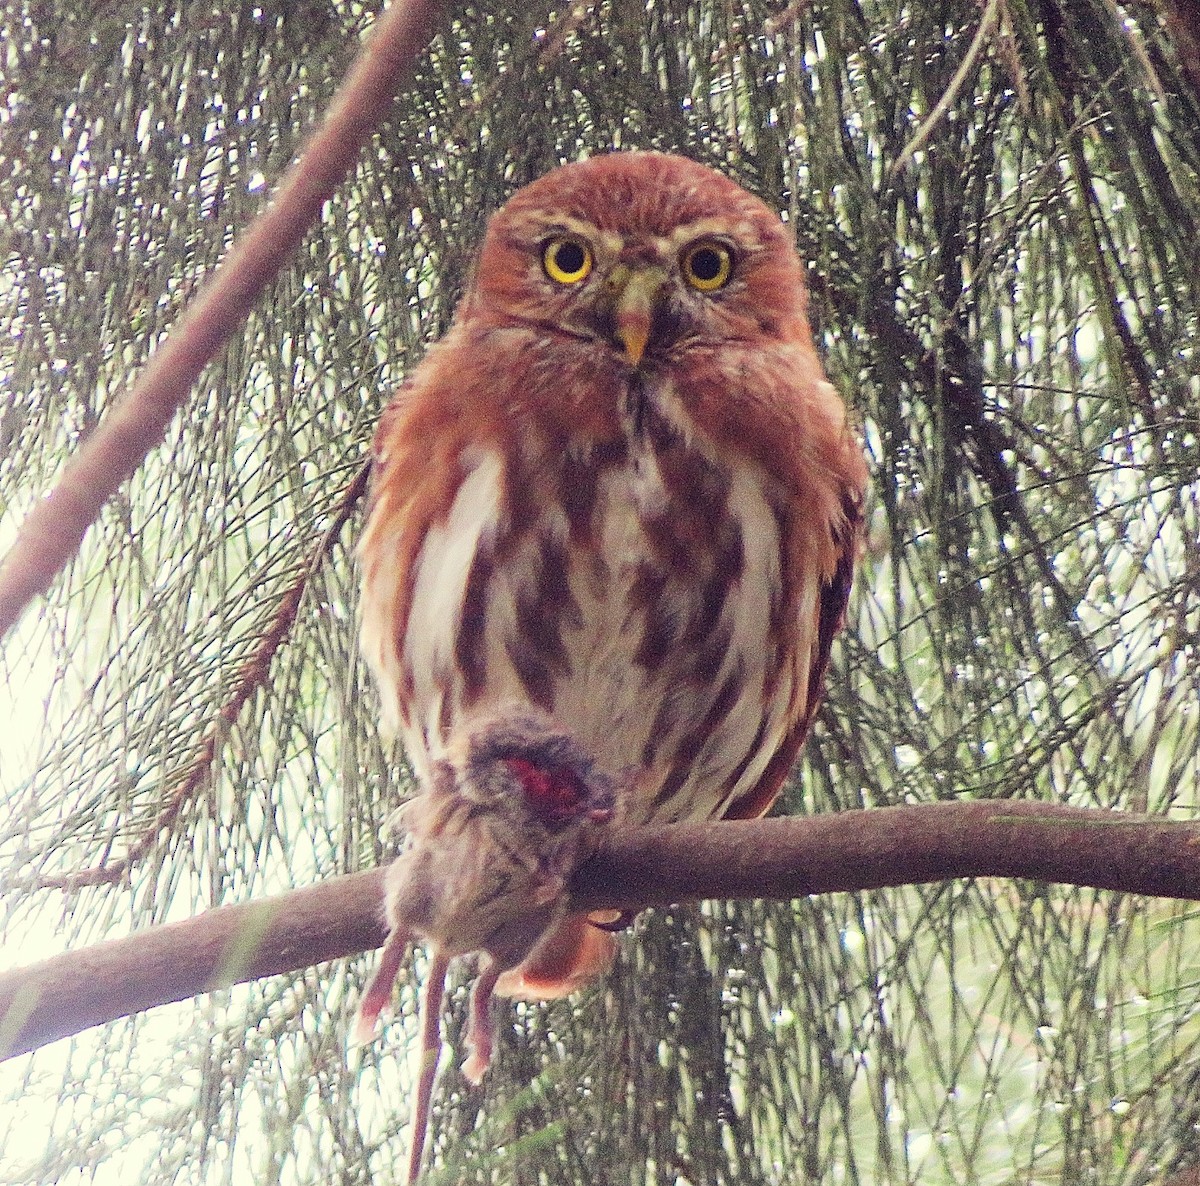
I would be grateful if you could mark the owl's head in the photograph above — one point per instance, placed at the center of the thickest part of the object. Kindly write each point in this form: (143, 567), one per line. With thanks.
(643, 252)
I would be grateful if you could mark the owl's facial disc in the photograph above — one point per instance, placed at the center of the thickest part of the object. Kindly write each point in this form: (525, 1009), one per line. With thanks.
(641, 291)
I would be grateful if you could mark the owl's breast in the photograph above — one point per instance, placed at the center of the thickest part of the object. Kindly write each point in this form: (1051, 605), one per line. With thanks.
(691, 680)
(632, 588)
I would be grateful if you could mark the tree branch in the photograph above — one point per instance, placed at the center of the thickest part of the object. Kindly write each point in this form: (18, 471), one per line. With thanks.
(51, 534)
(892, 846)
(632, 869)
(230, 945)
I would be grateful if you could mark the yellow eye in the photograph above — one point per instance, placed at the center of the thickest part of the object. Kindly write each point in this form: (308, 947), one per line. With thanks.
(707, 265)
(566, 259)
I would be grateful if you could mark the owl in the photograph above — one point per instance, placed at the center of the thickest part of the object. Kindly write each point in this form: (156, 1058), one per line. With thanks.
(620, 491)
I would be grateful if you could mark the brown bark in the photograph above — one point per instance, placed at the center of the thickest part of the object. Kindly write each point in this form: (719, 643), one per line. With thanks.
(1182, 18)
(890, 846)
(633, 869)
(229, 945)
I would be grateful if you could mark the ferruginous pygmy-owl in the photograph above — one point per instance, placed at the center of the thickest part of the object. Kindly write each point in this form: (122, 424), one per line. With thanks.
(620, 489)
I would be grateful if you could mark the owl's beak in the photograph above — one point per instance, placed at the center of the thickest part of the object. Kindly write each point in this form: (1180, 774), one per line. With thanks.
(637, 299)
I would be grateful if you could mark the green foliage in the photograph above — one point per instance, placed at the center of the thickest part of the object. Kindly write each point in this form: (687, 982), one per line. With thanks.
(999, 201)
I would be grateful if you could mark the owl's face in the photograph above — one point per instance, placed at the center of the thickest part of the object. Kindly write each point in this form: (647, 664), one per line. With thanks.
(643, 254)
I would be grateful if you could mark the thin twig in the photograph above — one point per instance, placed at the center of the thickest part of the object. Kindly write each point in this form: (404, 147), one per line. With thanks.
(951, 93)
(250, 678)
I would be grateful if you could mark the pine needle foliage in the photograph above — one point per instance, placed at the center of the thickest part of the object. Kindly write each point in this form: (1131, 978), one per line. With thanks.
(999, 200)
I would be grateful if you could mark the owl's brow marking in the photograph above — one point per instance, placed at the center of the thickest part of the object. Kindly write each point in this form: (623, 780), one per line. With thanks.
(541, 224)
(736, 233)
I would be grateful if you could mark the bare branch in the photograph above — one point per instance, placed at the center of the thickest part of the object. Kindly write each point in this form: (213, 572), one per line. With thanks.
(633, 869)
(891, 846)
(950, 96)
(51, 534)
(229, 945)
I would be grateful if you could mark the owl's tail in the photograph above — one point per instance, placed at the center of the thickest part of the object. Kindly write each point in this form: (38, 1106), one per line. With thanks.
(568, 956)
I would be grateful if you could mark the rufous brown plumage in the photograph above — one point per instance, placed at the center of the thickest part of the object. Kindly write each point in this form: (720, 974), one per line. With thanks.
(620, 490)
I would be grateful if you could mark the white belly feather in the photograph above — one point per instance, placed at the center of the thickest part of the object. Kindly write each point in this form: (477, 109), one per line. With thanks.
(609, 699)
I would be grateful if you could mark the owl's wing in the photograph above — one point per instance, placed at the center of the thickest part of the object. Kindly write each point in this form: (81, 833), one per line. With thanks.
(414, 477)
(831, 616)
(383, 445)
(438, 491)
